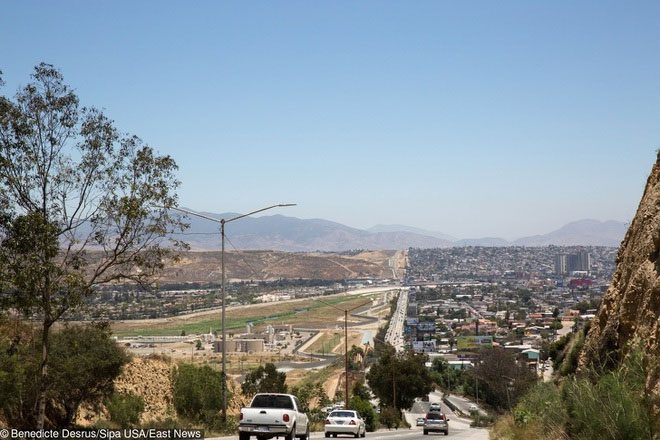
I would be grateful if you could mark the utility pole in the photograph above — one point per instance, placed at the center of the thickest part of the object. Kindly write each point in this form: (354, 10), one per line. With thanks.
(223, 301)
(345, 343)
(346, 357)
(394, 391)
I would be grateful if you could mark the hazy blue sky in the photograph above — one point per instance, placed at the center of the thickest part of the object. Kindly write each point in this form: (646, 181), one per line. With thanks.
(470, 118)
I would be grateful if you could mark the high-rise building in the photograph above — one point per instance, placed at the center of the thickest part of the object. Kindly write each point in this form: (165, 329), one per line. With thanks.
(583, 261)
(560, 264)
(572, 263)
(566, 263)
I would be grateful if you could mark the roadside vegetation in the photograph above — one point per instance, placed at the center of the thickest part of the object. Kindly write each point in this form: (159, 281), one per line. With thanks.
(85, 360)
(595, 403)
(71, 183)
(197, 395)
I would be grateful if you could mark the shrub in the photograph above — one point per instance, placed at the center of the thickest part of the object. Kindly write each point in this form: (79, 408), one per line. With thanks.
(480, 420)
(125, 409)
(366, 411)
(84, 361)
(197, 393)
(612, 406)
(571, 356)
(595, 404)
(542, 407)
(389, 417)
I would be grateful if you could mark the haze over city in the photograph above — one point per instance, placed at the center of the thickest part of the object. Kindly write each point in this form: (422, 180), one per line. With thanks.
(506, 119)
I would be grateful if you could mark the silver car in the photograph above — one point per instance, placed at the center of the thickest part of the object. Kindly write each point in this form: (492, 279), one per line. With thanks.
(436, 422)
(345, 421)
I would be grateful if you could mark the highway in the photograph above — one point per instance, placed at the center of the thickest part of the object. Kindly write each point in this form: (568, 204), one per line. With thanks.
(394, 335)
(457, 430)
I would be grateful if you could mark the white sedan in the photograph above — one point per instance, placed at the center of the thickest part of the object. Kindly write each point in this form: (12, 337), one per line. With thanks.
(345, 421)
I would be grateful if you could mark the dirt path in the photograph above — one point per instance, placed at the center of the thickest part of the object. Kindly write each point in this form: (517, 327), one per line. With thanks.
(303, 348)
(330, 386)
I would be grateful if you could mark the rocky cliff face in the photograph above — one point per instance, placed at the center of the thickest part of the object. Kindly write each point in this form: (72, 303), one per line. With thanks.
(149, 378)
(630, 313)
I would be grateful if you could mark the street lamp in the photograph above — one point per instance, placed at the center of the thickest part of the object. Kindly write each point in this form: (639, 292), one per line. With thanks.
(345, 342)
(222, 264)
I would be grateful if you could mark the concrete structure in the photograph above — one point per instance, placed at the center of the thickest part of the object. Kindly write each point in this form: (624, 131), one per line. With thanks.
(241, 345)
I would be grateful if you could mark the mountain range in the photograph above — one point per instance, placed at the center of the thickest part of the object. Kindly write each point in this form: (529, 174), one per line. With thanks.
(278, 232)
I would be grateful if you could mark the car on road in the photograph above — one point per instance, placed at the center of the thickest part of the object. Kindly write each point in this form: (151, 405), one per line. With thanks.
(345, 421)
(435, 406)
(420, 421)
(273, 415)
(473, 408)
(436, 422)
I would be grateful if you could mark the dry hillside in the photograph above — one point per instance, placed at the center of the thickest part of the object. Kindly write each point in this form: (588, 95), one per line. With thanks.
(271, 265)
(630, 312)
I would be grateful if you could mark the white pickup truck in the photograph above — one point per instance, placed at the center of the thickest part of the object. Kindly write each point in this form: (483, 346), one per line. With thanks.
(273, 415)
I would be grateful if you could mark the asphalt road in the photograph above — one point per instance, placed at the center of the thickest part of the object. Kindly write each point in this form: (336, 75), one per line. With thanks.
(459, 428)
(414, 433)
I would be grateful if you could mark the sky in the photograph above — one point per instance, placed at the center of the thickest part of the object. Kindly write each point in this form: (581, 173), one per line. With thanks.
(471, 118)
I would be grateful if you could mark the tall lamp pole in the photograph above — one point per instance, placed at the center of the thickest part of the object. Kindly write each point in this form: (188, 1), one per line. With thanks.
(222, 289)
(345, 342)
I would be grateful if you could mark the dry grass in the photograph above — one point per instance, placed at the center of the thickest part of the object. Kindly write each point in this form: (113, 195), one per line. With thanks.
(326, 342)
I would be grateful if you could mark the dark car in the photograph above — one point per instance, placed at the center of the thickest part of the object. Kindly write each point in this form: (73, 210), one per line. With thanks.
(436, 422)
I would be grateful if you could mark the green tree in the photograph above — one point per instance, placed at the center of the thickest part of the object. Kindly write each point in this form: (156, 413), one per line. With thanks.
(366, 411)
(71, 182)
(307, 392)
(264, 379)
(361, 391)
(444, 376)
(402, 375)
(85, 362)
(500, 378)
(355, 358)
(197, 392)
(18, 365)
(556, 325)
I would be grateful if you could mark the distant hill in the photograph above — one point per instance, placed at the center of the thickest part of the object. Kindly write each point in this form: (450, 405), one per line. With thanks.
(403, 228)
(278, 232)
(581, 232)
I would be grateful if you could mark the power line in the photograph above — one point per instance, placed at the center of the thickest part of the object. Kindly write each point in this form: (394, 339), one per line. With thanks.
(244, 260)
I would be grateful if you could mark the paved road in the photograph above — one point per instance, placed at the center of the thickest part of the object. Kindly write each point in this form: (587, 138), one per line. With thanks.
(459, 428)
(414, 433)
(460, 402)
(394, 335)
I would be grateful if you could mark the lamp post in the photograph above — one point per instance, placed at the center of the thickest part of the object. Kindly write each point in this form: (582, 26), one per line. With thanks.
(345, 342)
(222, 289)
